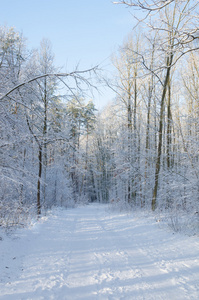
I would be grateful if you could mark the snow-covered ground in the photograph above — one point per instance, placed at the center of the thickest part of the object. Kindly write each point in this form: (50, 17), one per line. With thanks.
(90, 253)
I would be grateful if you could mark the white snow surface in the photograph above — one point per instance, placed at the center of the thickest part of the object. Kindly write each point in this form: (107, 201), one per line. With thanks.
(91, 253)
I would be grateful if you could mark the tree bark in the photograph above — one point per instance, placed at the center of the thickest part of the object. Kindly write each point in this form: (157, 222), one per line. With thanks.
(158, 160)
(39, 182)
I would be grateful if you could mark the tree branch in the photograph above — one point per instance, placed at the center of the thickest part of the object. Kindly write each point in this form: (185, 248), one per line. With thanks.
(71, 74)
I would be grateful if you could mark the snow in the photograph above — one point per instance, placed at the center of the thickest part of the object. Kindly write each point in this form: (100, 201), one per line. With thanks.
(91, 253)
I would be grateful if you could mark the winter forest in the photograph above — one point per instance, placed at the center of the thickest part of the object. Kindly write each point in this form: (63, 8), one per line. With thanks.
(140, 152)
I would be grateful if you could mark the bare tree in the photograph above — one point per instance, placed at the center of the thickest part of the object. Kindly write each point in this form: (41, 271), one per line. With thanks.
(177, 28)
(127, 88)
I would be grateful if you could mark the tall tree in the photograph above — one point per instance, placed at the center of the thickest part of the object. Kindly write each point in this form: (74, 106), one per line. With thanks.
(127, 89)
(177, 29)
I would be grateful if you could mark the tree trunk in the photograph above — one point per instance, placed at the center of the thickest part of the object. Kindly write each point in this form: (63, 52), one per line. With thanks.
(169, 125)
(45, 138)
(158, 160)
(39, 182)
(129, 120)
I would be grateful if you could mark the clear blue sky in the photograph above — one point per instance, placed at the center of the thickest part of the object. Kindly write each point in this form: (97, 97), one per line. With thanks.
(81, 31)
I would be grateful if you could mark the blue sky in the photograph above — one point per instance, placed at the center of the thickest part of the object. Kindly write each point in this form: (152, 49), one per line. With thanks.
(81, 31)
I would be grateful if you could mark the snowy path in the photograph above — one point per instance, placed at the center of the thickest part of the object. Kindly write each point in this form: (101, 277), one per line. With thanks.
(88, 253)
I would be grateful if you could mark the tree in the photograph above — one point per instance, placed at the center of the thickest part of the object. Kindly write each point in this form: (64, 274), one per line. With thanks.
(38, 107)
(127, 89)
(177, 29)
(81, 119)
(12, 150)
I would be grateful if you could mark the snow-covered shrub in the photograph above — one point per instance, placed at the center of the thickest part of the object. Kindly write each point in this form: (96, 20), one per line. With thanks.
(14, 214)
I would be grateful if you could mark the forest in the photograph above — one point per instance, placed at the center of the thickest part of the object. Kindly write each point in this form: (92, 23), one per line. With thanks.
(140, 152)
